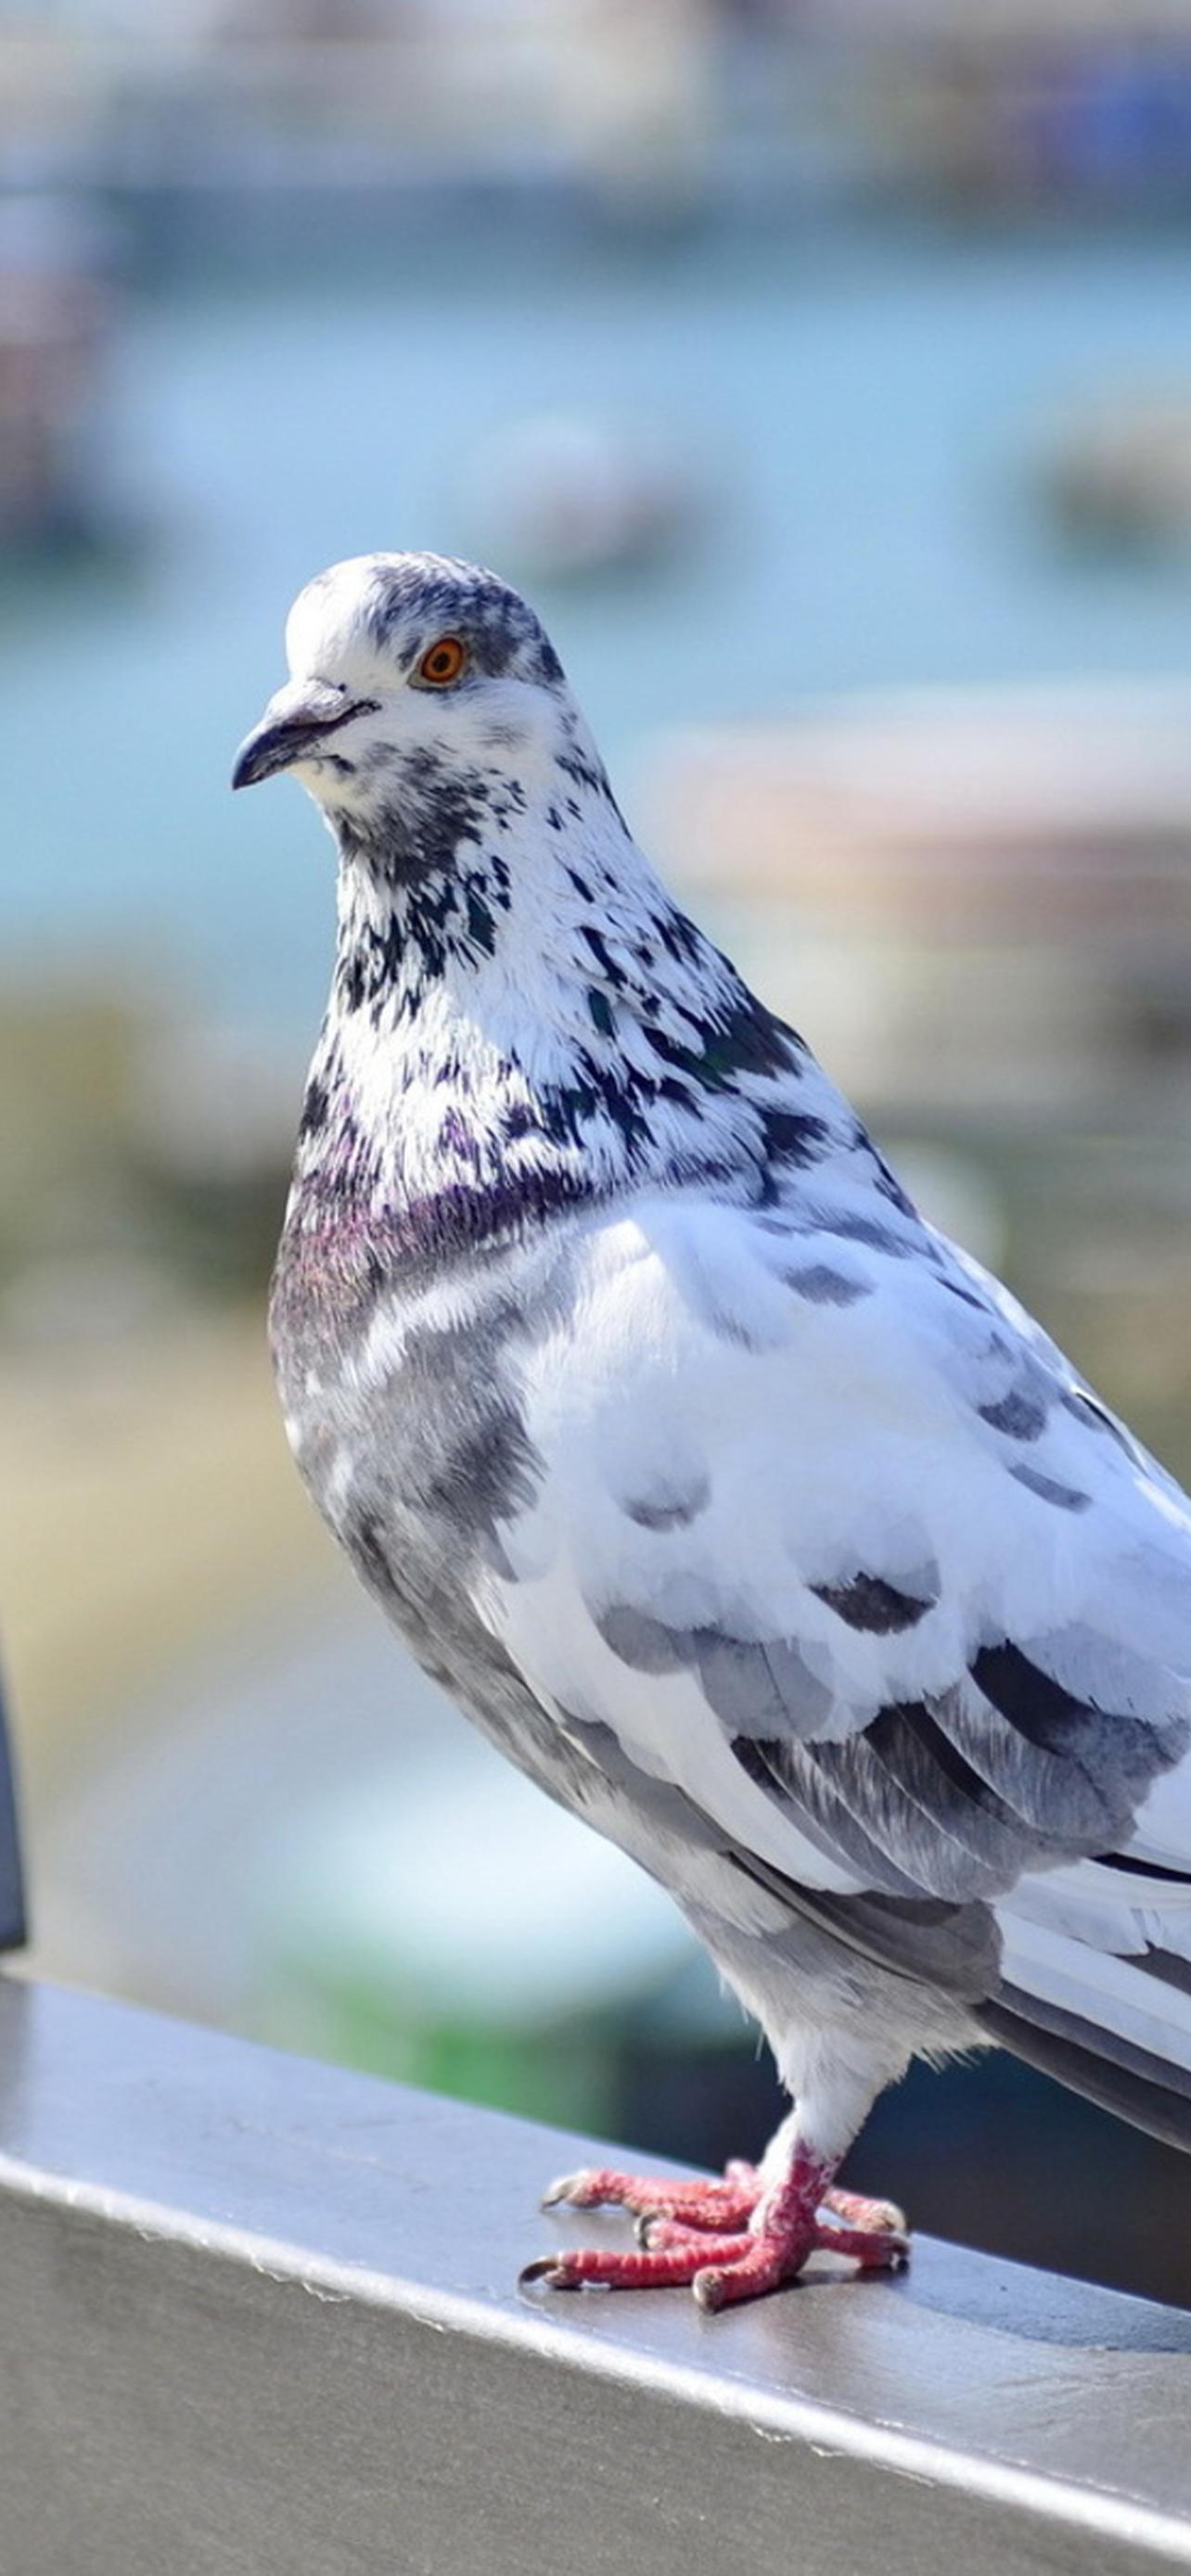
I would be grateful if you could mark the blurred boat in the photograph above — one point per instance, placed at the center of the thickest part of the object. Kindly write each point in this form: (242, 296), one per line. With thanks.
(55, 325)
(986, 893)
(1123, 477)
(563, 495)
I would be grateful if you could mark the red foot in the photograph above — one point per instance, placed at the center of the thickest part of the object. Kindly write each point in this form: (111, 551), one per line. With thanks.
(696, 2232)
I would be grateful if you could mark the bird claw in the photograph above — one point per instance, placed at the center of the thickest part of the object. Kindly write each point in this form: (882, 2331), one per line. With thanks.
(879, 2217)
(725, 2200)
(548, 2268)
(698, 2232)
(567, 2187)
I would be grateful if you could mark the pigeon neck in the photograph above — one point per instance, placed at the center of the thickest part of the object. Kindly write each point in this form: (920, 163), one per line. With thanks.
(528, 1026)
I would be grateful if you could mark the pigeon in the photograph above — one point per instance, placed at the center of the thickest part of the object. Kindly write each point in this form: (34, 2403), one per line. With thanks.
(746, 1513)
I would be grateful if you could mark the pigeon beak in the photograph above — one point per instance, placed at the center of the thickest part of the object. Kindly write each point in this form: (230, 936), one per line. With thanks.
(293, 727)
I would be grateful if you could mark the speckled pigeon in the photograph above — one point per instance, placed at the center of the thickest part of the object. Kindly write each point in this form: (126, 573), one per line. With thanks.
(745, 1512)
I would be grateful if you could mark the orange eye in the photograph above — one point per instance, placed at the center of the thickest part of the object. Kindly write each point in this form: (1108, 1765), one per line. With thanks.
(444, 663)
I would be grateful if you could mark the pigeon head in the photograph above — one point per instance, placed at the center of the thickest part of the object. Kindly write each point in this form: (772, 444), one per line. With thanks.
(417, 685)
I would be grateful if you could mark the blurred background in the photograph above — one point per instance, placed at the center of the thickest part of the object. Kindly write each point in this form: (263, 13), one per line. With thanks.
(823, 370)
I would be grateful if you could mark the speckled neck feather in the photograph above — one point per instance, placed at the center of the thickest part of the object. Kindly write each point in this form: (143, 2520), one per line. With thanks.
(521, 1020)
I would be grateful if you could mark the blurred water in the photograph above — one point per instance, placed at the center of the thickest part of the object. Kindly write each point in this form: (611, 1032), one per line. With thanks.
(861, 409)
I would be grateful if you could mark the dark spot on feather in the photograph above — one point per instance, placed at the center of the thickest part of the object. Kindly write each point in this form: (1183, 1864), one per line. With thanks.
(966, 1296)
(865, 1229)
(1038, 1707)
(1021, 1414)
(869, 1603)
(314, 1109)
(669, 1510)
(611, 972)
(789, 1137)
(1065, 1497)
(601, 1011)
(826, 1287)
(480, 928)
(730, 1328)
(747, 1040)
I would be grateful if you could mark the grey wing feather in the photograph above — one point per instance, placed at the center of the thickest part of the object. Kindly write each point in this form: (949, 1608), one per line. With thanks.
(935, 1683)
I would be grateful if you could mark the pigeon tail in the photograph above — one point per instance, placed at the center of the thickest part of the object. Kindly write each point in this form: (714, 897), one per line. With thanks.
(1108, 2070)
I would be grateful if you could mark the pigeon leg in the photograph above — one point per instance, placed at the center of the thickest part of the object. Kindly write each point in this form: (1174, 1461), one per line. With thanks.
(794, 2217)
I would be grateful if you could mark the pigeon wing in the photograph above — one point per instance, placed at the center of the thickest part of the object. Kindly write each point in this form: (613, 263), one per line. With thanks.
(829, 1543)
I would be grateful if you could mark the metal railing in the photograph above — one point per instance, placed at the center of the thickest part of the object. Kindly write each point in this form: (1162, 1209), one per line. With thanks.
(260, 2319)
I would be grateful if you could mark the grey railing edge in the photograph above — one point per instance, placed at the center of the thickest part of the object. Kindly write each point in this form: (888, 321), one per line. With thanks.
(315, 2216)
